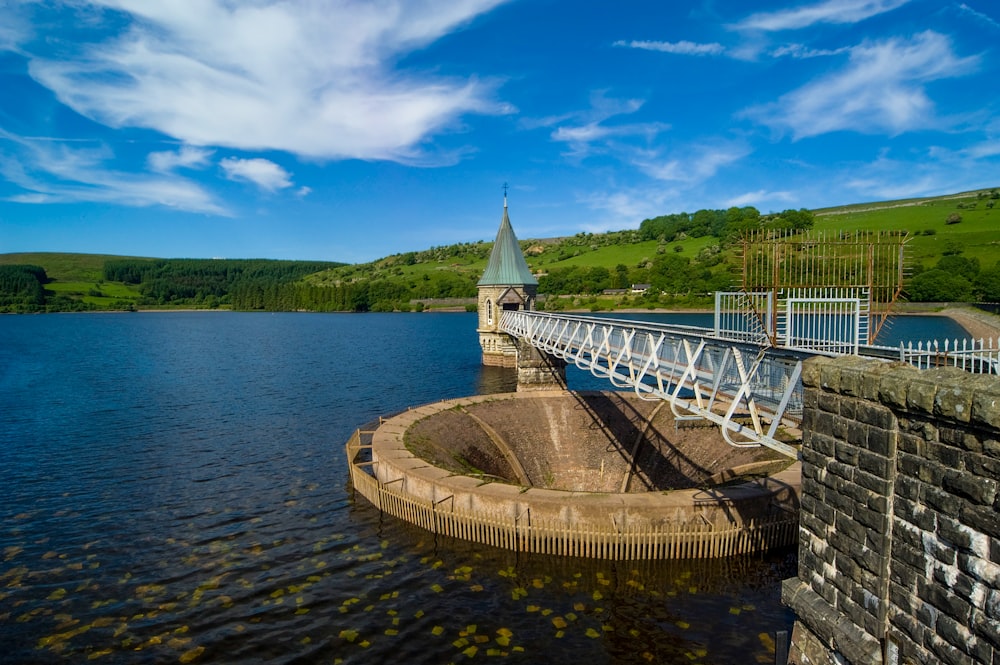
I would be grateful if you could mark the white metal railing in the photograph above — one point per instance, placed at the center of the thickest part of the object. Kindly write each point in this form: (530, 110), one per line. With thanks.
(729, 374)
(981, 356)
(750, 391)
(832, 325)
(743, 316)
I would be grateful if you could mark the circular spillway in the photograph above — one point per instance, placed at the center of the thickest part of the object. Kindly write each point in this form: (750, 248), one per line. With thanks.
(587, 473)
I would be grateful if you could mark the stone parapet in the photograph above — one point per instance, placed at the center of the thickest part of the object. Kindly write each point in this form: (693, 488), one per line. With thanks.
(899, 534)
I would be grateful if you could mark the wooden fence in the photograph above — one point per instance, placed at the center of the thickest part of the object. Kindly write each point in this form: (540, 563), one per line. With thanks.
(639, 541)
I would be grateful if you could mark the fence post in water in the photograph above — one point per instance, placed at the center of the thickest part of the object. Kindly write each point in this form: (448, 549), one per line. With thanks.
(781, 647)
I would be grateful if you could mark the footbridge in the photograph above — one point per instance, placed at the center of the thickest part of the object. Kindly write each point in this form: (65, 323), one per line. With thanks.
(739, 378)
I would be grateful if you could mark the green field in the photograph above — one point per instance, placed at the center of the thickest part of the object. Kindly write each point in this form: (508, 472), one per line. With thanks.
(965, 224)
(978, 233)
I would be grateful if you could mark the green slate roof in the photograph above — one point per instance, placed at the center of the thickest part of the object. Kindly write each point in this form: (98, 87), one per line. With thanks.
(507, 265)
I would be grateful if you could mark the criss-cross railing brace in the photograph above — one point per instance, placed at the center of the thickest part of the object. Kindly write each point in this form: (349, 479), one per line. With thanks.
(727, 382)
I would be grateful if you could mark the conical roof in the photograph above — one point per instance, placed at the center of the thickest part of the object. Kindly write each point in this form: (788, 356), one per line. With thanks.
(507, 265)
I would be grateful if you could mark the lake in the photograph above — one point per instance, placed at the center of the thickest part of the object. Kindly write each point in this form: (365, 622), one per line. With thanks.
(175, 490)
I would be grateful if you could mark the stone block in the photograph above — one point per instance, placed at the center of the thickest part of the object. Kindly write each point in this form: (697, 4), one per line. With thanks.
(953, 531)
(953, 399)
(910, 443)
(849, 408)
(829, 402)
(910, 556)
(904, 578)
(851, 528)
(986, 403)
(841, 470)
(877, 465)
(947, 603)
(839, 428)
(811, 372)
(981, 571)
(983, 466)
(907, 488)
(857, 434)
(876, 521)
(987, 628)
(910, 630)
(829, 376)
(978, 490)
(920, 396)
(876, 415)
(945, 652)
(985, 520)
(846, 453)
(874, 484)
(893, 387)
(881, 441)
(852, 373)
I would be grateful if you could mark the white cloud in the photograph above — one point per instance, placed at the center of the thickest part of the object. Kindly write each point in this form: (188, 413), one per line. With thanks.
(590, 131)
(681, 47)
(988, 20)
(54, 172)
(691, 164)
(882, 90)
(761, 196)
(307, 77)
(187, 157)
(261, 172)
(829, 11)
(801, 51)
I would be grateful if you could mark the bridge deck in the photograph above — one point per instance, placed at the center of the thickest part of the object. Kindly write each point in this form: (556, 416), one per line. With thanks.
(751, 390)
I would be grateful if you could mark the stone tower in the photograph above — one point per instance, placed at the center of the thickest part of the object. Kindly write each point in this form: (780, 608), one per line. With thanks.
(507, 283)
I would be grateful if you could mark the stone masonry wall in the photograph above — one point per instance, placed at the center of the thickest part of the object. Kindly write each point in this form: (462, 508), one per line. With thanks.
(899, 532)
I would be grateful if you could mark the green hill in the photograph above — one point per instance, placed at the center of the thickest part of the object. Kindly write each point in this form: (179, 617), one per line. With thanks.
(952, 255)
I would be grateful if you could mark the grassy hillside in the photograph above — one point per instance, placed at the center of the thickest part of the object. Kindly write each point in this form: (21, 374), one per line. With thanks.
(964, 225)
(978, 232)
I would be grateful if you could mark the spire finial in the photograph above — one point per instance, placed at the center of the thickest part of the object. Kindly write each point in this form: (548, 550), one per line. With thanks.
(505, 195)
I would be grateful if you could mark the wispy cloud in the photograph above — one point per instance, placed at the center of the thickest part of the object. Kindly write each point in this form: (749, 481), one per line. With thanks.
(314, 79)
(261, 172)
(979, 16)
(882, 90)
(187, 157)
(690, 164)
(801, 51)
(52, 172)
(829, 11)
(759, 197)
(590, 131)
(681, 47)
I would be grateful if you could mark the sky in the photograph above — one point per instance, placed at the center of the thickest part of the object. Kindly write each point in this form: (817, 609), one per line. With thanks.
(349, 130)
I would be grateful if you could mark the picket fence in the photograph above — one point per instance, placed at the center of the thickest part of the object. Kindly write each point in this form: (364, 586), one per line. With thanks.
(526, 533)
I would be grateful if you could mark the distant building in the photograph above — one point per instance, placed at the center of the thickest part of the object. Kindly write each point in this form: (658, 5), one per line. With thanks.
(640, 288)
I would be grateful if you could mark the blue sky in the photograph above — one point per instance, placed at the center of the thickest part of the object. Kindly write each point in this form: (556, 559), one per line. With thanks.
(348, 130)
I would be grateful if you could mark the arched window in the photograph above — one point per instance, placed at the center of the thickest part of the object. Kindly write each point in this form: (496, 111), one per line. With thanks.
(489, 312)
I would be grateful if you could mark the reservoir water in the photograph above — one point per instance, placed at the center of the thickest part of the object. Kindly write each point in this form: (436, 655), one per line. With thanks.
(174, 490)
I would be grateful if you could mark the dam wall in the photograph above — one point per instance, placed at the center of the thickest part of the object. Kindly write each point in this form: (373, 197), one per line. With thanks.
(899, 534)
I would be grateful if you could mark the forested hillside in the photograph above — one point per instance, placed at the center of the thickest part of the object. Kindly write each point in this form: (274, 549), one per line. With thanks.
(953, 255)
(130, 283)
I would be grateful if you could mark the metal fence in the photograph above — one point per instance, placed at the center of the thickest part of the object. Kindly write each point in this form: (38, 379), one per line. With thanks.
(980, 356)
